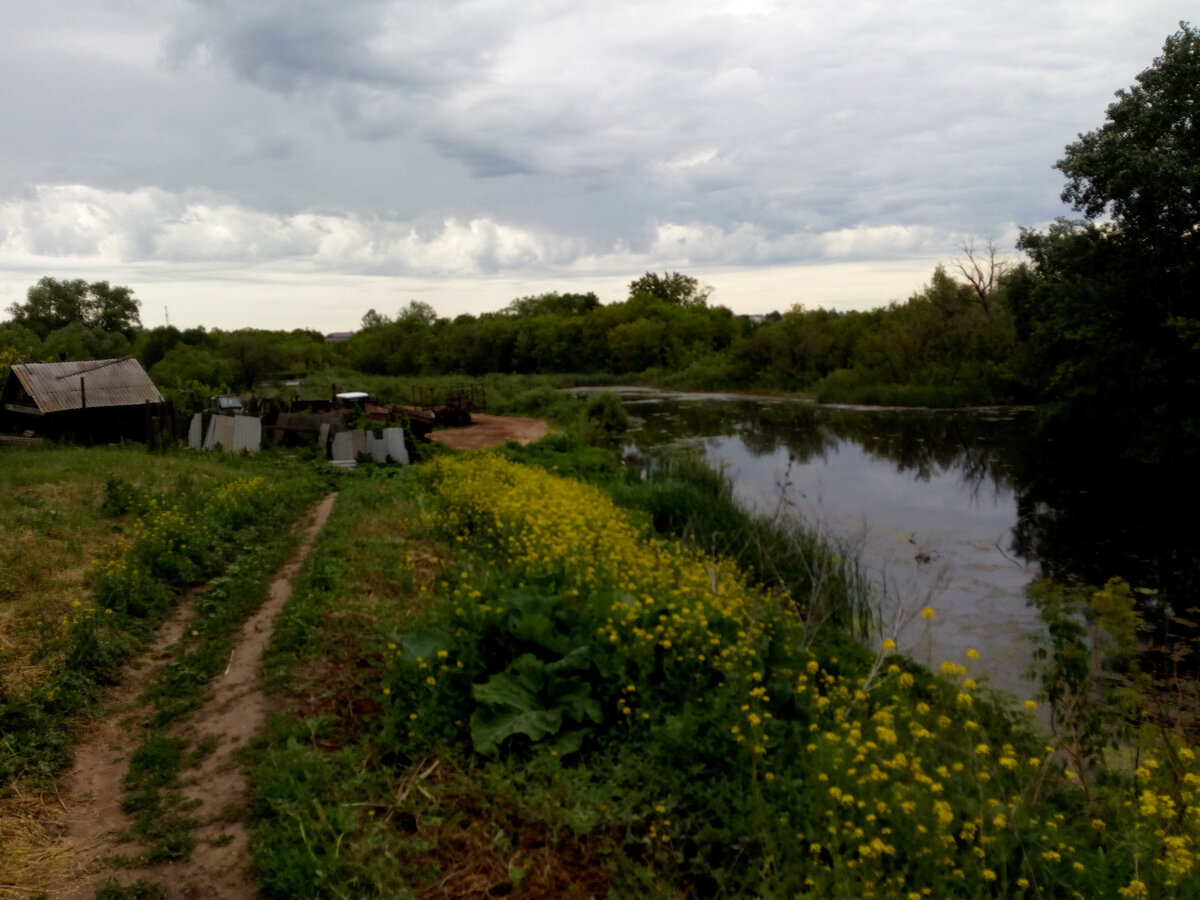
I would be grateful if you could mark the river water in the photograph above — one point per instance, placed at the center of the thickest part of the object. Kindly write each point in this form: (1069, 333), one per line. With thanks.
(948, 509)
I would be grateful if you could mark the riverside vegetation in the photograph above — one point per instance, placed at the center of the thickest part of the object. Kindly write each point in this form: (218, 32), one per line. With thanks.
(499, 678)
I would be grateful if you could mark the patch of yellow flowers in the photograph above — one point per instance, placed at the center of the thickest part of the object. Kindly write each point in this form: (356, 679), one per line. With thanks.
(539, 525)
(901, 789)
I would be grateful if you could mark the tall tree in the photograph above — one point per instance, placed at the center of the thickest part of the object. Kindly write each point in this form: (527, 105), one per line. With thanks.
(52, 304)
(1140, 167)
(673, 288)
(1113, 303)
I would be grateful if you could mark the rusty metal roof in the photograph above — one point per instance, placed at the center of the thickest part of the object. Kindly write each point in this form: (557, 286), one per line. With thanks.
(55, 387)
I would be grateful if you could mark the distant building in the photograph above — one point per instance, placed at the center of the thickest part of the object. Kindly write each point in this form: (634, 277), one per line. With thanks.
(334, 336)
(99, 400)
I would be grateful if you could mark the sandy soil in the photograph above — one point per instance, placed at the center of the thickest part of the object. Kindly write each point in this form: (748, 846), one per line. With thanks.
(219, 867)
(488, 431)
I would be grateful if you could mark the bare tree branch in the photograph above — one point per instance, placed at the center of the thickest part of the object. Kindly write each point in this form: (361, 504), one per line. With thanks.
(981, 269)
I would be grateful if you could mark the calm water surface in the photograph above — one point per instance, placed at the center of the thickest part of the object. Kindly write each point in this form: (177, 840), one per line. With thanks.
(948, 509)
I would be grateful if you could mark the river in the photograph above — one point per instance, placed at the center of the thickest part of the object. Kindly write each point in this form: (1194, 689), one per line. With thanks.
(954, 510)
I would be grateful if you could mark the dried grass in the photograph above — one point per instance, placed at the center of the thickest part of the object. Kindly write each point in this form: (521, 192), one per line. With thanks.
(34, 853)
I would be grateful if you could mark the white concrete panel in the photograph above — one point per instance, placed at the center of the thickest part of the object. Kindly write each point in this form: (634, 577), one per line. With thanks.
(196, 432)
(247, 433)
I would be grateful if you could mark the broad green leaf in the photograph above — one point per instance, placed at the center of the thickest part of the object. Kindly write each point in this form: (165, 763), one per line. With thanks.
(491, 725)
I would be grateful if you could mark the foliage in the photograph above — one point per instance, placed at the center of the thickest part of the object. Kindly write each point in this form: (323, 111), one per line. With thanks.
(1139, 168)
(139, 890)
(672, 288)
(52, 304)
(78, 341)
(11, 354)
(605, 415)
(159, 541)
(954, 333)
(816, 576)
(1109, 305)
(1089, 670)
(553, 304)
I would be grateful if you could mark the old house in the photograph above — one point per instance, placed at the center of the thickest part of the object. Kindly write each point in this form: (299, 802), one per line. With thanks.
(101, 400)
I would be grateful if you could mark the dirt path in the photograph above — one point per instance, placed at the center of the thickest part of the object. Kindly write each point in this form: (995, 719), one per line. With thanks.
(488, 431)
(219, 867)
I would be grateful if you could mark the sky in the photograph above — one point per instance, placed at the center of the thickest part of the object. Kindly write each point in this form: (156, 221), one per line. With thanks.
(294, 163)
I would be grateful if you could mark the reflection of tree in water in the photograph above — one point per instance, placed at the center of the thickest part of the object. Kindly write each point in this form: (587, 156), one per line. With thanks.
(926, 443)
(1085, 524)
(980, 449)
(763, 427)
(1080, 523)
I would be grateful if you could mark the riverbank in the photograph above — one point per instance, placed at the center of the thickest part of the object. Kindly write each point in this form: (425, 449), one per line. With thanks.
(524, 691)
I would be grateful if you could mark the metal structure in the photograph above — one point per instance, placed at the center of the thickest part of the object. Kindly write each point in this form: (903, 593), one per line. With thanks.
(451, 407)
(42, 388)
(96, 400)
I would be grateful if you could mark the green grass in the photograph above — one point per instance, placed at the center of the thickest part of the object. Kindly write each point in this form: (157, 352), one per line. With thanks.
(122, 533)
(819, 577)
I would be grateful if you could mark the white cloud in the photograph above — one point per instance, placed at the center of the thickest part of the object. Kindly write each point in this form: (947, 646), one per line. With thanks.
(491, 139)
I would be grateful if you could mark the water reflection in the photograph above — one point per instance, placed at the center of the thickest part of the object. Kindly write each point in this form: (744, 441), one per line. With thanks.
(960, 509)
(928, 499)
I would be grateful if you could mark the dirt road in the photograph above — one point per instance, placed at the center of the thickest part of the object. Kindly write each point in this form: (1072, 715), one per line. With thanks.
(488, 431)
(216, 792)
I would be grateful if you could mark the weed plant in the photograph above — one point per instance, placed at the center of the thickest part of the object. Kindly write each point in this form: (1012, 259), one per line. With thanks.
(817, 575)
(851, 387)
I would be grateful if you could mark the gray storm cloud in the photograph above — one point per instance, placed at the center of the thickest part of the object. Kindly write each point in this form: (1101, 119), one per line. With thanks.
(454, 139)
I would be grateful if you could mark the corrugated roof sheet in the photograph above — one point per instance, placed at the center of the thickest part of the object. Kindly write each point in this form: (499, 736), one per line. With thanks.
(55, 387)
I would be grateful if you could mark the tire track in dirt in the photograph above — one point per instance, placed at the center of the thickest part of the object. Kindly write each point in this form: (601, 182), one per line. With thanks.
(219, 867)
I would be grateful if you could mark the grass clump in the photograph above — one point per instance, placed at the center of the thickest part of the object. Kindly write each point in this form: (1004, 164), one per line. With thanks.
(815, 575)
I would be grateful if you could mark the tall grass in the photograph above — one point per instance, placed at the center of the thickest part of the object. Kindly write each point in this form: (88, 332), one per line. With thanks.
(817, 574)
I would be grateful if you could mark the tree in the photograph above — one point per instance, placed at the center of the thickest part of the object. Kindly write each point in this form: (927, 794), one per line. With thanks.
(673, 288)
(1111, 305)
(52, 304)
(552, 304)
(157, 343)
(372, 319)
(112, 309)
(78, 342)
(417, 314)
(1140, 167)
(253, 355)
(981, 271)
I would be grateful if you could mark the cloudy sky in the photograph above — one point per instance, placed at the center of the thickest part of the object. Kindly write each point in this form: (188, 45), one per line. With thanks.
(292, 163)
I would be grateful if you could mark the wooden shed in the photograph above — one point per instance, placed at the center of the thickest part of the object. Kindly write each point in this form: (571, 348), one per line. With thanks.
(98, 400)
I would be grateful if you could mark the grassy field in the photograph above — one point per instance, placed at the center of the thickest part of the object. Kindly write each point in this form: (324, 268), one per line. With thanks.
(529, 672)
(60, 513)
(98, 546)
